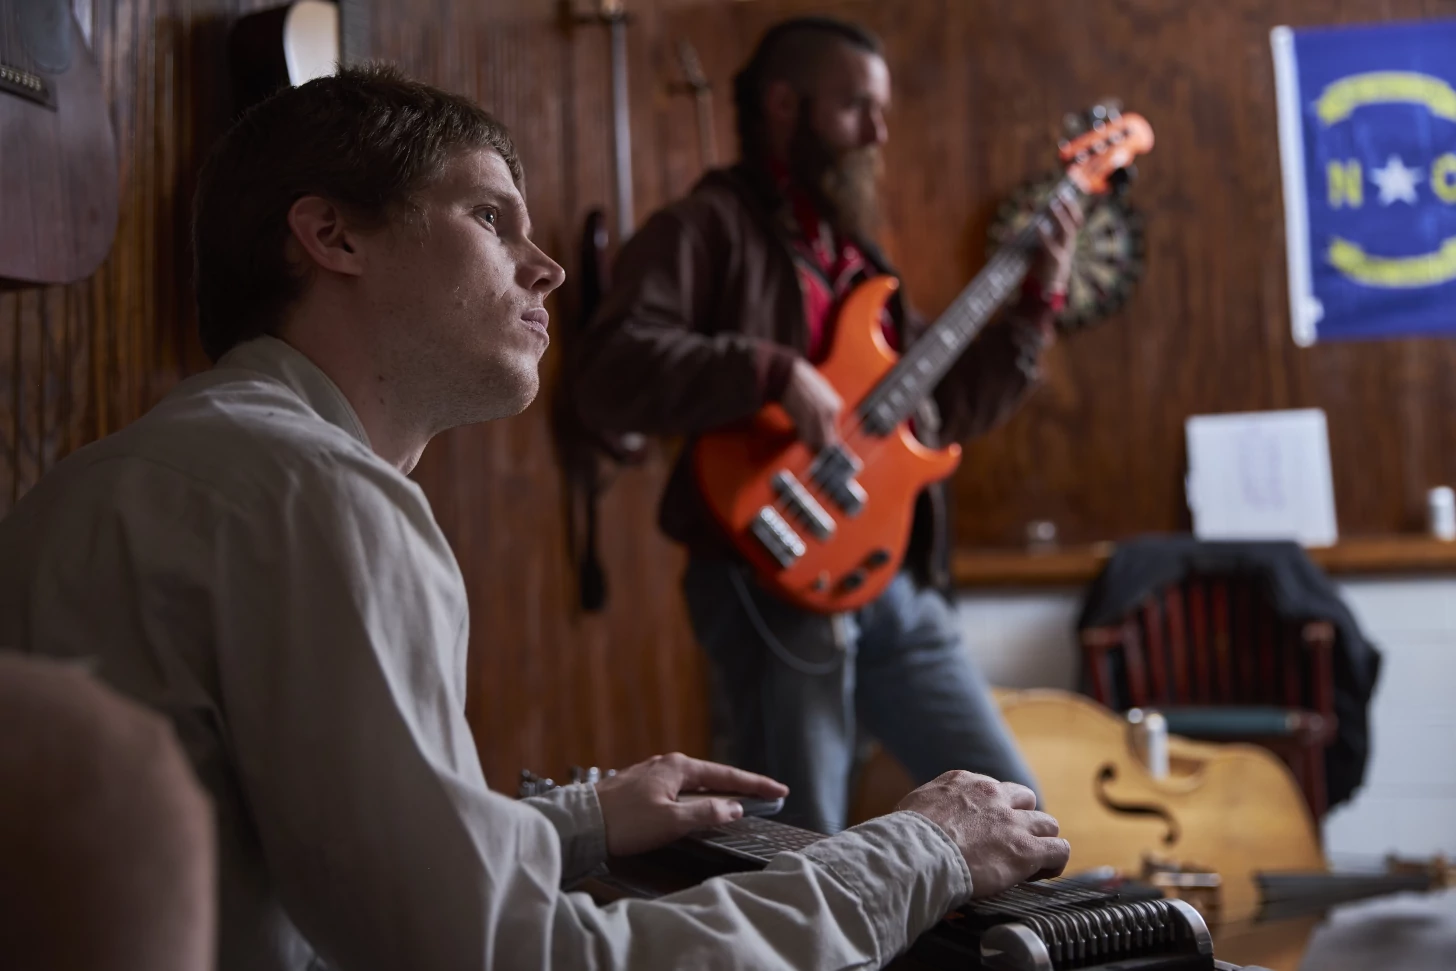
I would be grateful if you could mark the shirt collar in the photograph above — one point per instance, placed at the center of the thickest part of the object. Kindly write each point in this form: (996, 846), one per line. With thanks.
(283, 363)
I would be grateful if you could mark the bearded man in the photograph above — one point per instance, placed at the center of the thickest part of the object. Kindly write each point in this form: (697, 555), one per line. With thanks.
(723, 303)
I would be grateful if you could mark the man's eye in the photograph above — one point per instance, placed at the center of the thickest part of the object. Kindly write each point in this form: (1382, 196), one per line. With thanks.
(490, 215)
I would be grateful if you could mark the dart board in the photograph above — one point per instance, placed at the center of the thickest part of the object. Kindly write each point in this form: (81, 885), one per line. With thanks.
(1109, 258)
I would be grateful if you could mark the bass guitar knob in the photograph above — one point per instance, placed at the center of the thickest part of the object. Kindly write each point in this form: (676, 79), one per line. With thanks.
(877, 559)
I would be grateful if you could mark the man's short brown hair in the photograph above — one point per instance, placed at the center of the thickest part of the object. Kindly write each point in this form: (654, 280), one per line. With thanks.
(367, 139)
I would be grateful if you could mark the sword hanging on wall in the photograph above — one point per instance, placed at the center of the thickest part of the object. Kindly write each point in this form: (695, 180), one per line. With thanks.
(696, 84)
(621, 120)
(613, 15)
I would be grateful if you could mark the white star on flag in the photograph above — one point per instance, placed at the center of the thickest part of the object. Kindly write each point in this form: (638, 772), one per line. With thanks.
(1397, 183)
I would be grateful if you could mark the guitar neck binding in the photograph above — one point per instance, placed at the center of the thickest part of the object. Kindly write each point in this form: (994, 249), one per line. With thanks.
(24, 84)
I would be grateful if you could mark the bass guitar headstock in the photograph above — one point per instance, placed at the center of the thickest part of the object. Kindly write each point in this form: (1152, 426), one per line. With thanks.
(1101, 146)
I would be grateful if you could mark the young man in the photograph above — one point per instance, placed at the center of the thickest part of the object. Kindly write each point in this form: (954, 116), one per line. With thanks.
(250, 560)
(723, 302)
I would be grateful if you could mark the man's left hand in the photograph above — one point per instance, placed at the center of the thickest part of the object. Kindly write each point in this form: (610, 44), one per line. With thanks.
(1059, 246)
(640, 806)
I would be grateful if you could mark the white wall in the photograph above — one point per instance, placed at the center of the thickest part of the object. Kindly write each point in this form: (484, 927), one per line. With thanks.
(1408, 802)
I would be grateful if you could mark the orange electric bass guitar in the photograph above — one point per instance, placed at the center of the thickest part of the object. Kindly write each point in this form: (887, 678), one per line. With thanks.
(827, 530)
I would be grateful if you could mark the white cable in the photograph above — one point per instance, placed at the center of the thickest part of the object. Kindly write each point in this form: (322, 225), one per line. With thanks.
(767, 636)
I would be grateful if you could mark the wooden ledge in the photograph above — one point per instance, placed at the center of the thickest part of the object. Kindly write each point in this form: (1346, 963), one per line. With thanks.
(1075, 566)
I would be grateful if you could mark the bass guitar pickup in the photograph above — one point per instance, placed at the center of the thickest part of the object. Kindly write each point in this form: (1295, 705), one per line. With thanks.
(804, 506)
(834, 471)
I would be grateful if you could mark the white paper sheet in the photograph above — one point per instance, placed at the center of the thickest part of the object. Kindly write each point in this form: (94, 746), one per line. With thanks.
(1261, 475)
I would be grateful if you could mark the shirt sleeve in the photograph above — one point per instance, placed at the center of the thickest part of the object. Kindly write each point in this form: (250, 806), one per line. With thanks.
(577, 816)
(340, 616)
(649, 361)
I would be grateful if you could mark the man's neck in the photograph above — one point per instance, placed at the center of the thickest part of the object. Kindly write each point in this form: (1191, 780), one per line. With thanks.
(809, 220)
(396, 436)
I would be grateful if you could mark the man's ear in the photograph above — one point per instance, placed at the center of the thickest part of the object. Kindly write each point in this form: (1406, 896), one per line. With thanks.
(781, 104)
(319, 229)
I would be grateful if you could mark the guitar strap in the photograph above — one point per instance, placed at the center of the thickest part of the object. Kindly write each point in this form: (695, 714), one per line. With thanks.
(585, 456)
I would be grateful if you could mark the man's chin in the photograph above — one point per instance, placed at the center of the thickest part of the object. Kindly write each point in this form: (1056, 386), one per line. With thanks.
(496, 390)
(515, 392)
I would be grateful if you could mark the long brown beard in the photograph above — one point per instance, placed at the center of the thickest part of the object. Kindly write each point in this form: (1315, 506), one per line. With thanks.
(845, 186)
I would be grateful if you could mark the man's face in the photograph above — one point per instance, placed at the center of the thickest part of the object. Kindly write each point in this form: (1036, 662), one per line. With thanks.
(835, 149)
(461, 289)
(848, 100)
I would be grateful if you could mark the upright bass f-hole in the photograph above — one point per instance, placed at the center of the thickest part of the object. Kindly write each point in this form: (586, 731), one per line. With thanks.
(1108, 773)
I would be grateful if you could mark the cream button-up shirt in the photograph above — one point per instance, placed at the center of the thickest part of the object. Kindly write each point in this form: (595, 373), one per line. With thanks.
(240, 560)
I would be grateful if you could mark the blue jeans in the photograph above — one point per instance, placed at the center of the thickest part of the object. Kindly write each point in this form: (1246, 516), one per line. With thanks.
(799, 685)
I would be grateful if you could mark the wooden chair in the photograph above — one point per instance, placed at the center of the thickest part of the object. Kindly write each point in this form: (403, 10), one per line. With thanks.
(1211, 655)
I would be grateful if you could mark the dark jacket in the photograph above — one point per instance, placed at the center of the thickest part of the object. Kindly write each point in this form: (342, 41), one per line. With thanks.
(1296, 589)
(701, 329)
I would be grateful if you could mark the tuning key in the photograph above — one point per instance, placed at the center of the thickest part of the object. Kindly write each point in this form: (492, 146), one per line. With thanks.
(533, 785)
(590, 776)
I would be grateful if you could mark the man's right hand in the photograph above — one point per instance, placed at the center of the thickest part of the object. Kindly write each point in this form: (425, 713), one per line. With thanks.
(813, 404)
(1004, 840)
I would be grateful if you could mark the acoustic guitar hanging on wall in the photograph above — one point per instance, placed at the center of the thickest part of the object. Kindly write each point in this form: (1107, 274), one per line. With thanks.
(58, 175)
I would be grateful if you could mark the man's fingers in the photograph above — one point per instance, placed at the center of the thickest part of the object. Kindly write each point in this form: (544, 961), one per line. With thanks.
(828, 434)
(1042, 824)
(1074, 213)
(1020, 796)
(1047, 233)
(696, 814)
(1067, 222)
(1068, 225)
(717, 777)
(1055, 852)
(1067, 217)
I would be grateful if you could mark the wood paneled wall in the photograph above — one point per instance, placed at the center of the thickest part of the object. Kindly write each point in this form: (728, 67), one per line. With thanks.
(979, 85)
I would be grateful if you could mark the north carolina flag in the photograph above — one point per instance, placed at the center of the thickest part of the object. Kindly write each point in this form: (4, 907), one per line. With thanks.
(1367, 138)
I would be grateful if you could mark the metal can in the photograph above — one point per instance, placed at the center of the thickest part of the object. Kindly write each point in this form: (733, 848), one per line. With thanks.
(1441, 513)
